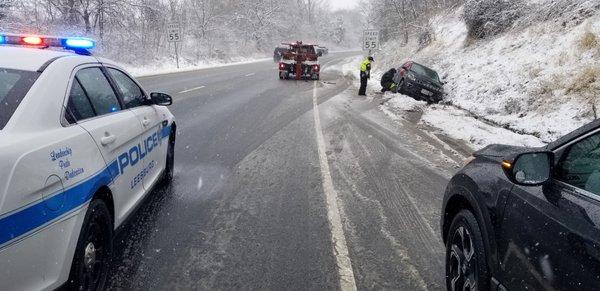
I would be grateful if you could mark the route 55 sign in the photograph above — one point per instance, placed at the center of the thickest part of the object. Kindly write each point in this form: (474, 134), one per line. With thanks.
(173, 32)
(370, 40)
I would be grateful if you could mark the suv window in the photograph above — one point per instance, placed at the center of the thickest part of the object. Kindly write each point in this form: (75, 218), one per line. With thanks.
(14, 85)
(98, 90)
(79, 106)
(424, 71)
(580, 165)
(133, 95)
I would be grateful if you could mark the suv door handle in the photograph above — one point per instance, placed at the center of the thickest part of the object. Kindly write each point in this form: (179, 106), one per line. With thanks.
(145, 122)
(108, 139)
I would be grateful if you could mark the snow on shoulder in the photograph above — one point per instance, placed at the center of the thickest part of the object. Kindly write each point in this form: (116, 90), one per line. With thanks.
(455, 123)
(540, 77)
(459, 124)
(168, 67)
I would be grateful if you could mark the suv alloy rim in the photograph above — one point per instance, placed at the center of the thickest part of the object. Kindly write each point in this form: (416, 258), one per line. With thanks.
(462, 261)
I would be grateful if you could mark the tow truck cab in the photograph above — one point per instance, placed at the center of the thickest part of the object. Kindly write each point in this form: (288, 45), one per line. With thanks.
(300, 62)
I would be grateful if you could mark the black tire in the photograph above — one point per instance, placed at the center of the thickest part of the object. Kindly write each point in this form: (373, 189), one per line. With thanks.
(466, 259)
(401, 87)
(170, 160)
(94, 249)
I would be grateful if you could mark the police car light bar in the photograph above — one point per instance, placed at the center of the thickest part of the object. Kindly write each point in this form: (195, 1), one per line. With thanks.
(77, 44)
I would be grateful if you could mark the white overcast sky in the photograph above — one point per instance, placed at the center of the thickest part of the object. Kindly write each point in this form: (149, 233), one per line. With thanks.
(342, 4)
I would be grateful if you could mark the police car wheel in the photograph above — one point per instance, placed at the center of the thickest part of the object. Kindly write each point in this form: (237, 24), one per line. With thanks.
(170, 162)
(94, 249)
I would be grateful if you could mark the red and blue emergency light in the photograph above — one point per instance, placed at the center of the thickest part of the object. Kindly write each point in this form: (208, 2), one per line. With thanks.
(78, 44)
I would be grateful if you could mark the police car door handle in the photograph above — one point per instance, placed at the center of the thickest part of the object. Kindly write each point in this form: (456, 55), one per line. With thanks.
(108, 139)
(145, 122)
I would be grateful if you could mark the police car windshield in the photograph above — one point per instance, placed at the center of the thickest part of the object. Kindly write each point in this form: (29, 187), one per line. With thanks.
(14, 85)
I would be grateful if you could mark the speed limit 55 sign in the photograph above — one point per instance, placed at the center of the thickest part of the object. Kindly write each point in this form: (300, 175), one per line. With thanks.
(370, 40)
(173, 32)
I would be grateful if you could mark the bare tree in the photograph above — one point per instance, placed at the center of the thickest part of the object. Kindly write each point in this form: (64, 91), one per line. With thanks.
(133, 30)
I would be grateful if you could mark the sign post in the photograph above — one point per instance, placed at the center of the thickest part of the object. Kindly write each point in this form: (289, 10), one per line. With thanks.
(174, 35)
(370, 40)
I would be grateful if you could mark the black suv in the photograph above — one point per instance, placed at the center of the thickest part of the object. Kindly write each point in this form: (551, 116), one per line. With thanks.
(518, 218)
(419, 82)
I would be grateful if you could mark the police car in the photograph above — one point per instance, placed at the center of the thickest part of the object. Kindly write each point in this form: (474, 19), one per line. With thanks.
(81, 144)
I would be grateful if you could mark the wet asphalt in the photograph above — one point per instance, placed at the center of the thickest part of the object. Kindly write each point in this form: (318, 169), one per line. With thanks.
(247, 209)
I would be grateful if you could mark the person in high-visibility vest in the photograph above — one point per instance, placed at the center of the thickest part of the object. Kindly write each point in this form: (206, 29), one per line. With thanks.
(365, 74)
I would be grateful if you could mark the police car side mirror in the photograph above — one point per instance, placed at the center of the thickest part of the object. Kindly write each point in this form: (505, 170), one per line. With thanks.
(161, 99)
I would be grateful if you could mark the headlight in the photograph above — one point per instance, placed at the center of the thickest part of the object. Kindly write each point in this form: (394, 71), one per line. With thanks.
(411, 76)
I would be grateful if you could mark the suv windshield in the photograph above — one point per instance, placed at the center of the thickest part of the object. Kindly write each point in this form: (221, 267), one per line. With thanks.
(14, 84)
(424, 71)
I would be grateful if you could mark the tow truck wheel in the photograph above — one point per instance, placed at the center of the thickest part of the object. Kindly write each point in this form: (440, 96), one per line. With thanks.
(94, 249)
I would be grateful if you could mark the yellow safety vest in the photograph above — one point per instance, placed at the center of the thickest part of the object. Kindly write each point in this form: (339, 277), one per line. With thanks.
(364, 66)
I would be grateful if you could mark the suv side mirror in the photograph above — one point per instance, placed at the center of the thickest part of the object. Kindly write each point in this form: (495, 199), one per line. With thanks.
(161, 99)
(530, 169)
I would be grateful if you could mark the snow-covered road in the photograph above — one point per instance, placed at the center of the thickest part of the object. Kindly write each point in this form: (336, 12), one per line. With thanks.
(248, 208)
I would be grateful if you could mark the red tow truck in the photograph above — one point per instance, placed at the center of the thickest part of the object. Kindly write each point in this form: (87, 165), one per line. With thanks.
(300, 61)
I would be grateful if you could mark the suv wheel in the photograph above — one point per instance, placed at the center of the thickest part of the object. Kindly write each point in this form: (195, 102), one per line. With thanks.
(94, 249)
(401, 87)
(466, 264)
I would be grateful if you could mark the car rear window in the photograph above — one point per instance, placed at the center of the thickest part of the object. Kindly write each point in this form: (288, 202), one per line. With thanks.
(424, 71)
(14, 85)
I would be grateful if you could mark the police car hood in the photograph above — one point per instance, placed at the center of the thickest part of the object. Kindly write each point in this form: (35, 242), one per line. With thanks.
(27, 59)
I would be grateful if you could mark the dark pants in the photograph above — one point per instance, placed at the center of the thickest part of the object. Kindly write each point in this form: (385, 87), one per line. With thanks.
(363, 84)
(388, 86)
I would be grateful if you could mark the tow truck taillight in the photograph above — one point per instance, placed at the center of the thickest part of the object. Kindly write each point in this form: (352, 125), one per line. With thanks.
(316, 68)
(281, 66)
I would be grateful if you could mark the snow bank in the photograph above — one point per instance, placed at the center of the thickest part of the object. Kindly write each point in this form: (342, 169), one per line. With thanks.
(405, 103)
(456, 123)
(459, 124)
(348, 67)
(168, 67)
(525, 79)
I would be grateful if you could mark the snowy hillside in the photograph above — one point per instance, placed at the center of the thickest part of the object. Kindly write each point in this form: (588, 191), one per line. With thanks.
(541, 79)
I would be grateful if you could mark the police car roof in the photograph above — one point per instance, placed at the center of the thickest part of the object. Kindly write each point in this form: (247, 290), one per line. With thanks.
(28, 59)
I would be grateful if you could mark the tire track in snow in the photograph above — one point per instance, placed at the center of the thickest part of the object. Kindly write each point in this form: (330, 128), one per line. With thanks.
(338, 238)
